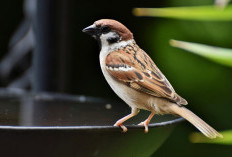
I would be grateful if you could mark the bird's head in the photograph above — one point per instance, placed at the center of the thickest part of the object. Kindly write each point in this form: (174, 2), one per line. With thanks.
(108, 31)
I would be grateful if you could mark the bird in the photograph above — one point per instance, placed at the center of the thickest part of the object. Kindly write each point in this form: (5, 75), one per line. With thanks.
(136, 79)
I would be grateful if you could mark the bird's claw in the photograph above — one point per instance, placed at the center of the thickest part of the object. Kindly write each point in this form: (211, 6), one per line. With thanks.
(124, 129)
(145, 125)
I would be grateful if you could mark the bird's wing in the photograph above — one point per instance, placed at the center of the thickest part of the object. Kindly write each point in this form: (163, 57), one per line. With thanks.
(133, 67)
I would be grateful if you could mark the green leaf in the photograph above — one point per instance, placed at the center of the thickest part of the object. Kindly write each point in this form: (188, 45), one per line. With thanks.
(220, 55)
(200, 138)
(221, 3)
(206, 13)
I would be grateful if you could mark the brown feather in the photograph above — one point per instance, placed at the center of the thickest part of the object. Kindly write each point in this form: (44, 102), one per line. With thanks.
(143, 75)
(195, 120)
(116, 26)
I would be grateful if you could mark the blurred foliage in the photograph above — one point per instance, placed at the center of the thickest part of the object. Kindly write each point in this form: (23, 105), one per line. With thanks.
(199, 138)
(205, 84)
(221, 3)
(217, 54)
(205, 13)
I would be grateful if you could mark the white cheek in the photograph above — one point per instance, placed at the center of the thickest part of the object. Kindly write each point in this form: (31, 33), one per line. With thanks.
(111, 47)
(104, 38)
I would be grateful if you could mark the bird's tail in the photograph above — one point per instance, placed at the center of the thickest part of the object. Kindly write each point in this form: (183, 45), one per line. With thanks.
(207, 130)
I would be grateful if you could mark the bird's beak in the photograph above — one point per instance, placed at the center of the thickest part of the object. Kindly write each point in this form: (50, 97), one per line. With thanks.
(91, 30)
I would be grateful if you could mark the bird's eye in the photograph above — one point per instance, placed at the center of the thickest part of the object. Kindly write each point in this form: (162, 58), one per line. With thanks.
(105, 29)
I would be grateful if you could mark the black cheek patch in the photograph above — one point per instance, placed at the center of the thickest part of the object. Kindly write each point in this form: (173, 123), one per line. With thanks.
(113, 39)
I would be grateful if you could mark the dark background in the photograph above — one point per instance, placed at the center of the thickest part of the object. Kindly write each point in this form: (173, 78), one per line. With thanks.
(206, 85)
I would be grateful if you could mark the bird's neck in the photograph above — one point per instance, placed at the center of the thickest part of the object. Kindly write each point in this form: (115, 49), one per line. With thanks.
(106, 47)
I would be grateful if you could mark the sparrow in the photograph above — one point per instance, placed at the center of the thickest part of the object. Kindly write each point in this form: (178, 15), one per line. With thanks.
(136, 79)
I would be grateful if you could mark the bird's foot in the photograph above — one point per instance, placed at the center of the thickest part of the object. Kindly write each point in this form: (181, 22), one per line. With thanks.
(124, 129)
(145, 124)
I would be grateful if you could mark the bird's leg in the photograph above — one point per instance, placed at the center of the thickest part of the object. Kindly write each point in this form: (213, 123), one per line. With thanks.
(134, 111)
(147, 121)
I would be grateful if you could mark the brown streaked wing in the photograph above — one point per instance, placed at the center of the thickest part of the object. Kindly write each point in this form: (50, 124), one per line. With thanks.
(136, 69)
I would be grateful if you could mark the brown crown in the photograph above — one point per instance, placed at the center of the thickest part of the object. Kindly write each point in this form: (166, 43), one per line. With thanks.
(116, 26)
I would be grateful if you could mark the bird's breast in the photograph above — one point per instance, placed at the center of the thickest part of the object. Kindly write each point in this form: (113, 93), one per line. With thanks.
(131, 96)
